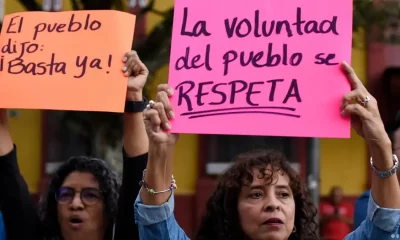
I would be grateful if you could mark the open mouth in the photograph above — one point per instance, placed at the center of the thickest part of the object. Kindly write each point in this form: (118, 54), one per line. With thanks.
(273, 221)
(76, 221)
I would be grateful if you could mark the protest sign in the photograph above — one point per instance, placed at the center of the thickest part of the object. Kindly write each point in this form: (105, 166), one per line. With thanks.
(65, 60)
(260, 67)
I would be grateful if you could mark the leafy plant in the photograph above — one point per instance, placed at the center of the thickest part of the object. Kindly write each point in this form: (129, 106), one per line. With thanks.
(379, 20)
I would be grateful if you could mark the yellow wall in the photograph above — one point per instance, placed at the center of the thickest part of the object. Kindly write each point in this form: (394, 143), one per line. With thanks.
(13, 7)
(26, 131)
(344, 161)
(153, 19)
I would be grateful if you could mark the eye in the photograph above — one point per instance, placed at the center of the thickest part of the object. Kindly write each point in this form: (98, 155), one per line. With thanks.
(91, 194)
(64, 194)
(256, 195)
(283, 195)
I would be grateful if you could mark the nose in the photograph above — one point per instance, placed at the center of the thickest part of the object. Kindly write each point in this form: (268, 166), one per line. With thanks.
(272, 208)
(77, 203)
(271, 204)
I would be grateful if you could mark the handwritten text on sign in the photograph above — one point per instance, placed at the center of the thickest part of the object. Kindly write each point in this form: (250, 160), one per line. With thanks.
(65, 60)
(261, 68)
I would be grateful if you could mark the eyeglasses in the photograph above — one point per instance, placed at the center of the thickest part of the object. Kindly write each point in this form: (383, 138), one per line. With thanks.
(89, 196)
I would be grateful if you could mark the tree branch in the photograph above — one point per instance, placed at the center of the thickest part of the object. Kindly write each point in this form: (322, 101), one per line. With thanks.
(31, 5)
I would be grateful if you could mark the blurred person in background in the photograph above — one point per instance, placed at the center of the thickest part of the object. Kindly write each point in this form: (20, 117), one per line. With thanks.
(336, 216)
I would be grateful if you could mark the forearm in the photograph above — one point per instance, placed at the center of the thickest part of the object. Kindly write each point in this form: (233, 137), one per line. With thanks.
(136, 141)
(6, 143)
(385, 191)
(158, 175)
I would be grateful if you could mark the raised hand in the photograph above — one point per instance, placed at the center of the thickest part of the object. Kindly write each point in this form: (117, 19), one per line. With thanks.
(137, 74)
(363, 109)
(157, 117)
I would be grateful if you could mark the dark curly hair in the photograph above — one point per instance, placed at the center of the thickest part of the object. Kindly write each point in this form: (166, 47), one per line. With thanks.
(109, 183)
(221, 221)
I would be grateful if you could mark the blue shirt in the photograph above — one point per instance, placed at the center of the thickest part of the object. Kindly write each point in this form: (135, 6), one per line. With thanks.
(2, 230)
(158, 222)
(360, 207)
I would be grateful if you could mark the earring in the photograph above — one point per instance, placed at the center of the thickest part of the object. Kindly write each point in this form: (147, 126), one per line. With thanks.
(294, 229)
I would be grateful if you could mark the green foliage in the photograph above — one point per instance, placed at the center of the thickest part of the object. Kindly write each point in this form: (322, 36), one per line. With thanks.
(380, 21)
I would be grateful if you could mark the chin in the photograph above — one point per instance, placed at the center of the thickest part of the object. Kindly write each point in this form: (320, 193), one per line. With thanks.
(273, 236)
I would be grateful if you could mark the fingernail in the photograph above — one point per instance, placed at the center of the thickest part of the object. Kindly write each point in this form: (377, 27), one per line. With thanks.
(124, 68)
(343, 113)
(171, 114)
(126, 74)
(170, 91)
(124, 59)
(167, 126)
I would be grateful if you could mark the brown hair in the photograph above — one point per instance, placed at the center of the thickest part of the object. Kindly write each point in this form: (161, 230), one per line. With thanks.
(221, 221)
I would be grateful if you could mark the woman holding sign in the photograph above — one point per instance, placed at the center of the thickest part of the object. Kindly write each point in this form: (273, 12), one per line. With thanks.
(260, 197)
(84, 199)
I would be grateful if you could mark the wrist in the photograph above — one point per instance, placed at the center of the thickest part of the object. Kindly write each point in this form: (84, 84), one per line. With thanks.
(158, 151)
(134, 96)
(382, 155)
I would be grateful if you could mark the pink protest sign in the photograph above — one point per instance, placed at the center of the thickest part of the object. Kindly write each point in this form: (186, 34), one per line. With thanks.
(263, 67)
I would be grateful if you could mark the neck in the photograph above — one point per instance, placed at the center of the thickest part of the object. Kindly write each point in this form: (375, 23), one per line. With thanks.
(84, 236)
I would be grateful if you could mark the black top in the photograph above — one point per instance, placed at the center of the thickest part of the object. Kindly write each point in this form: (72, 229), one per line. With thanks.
(20, 216)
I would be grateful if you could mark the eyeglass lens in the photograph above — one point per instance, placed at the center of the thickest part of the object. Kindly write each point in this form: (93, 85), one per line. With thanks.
(89, 196)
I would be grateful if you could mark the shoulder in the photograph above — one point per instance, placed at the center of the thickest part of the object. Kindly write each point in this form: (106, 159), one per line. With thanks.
(362, 202)
(364, 196)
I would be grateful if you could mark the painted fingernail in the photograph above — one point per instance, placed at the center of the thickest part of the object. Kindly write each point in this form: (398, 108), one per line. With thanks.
(124, 68)
(124, 59)
(171, 114)
(167, 126)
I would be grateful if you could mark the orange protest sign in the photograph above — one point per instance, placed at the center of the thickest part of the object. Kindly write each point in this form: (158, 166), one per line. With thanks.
(65, 60)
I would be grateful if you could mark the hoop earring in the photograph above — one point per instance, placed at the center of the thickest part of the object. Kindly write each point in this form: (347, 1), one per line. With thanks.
(294, 229)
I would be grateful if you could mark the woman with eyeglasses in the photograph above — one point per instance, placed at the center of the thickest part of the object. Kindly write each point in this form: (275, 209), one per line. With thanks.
(85, 199)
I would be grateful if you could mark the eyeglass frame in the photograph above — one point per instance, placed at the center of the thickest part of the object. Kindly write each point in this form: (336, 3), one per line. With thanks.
(101, 194)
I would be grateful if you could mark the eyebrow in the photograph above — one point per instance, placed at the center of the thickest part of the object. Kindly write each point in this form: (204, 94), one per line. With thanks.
(258, 186)
(287, 187)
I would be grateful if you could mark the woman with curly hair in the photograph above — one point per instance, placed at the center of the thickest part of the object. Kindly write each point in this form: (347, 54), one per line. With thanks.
(260, 197)
(239, 192)
(85, 199)
(98, 189)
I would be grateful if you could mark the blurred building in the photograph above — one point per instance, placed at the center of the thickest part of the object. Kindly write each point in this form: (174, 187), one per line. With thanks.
(199, 159)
